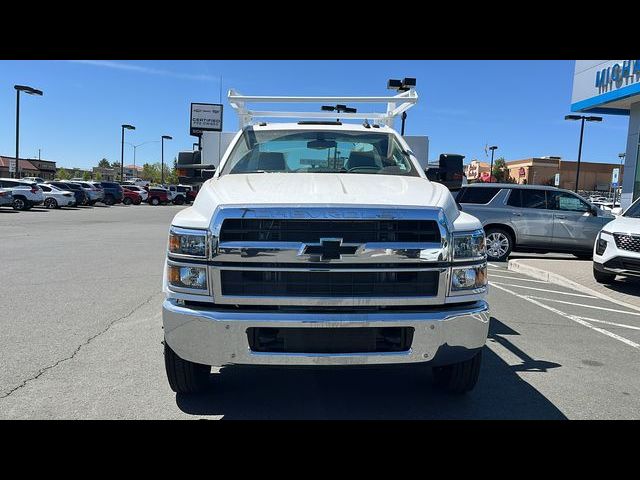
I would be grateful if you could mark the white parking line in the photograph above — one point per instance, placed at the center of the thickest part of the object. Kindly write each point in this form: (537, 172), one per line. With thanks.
(633, 327)
(519, 279)
(586, 306)
(543, 290)
(573, 318)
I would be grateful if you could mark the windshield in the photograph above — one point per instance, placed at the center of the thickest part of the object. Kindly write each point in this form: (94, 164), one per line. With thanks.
(634, 210)
(312, 151)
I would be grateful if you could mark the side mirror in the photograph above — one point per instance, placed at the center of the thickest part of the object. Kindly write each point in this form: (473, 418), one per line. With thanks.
(594, 210)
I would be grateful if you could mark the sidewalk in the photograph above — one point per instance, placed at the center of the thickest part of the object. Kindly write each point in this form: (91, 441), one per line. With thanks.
(578, 274)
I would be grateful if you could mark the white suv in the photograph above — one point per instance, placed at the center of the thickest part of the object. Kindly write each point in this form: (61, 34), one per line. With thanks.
(617, 247)
(25, 194)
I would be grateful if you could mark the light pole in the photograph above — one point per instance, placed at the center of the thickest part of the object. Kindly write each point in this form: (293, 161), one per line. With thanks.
(493, 149)
(162, 139)
(139, 145)
(615, 192)
(29, 91)
(583, 118)
(127, 127)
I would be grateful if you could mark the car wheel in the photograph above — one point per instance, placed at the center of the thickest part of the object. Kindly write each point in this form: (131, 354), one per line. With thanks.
(583, 256)
(155, 201)
(499, 244)
(184, 376)
(137, 202)
(603, 277)
(109, 200)
(127, 201)
(459, 377)
(20, 204)
(178, 200)
(50, 203)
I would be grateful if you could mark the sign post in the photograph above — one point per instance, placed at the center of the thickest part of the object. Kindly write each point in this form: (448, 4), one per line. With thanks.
(614, 183)
(12, 166)
(556, 180)
(205, 117)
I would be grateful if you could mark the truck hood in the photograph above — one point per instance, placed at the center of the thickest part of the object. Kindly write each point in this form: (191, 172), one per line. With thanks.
(300, 189)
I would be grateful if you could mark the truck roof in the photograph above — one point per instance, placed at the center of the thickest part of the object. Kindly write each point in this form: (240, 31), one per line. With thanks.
(345, 127)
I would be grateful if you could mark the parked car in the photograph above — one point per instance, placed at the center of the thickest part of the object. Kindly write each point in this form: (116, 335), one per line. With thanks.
(617, 247)
(25, 194)
(533, 218)
(55, 197)
(158, 196)
(81, 196)
(33, 179)
(136, 181)
(113, 193)
(179, 194)
(144, 194)
(6, 197)
(94, 194)
(131, 197)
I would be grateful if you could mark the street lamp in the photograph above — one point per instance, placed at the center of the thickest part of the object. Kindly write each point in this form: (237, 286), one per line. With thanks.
(127, 127)
(162, 139)
(615, 192)
(493, 149)
(29, 91)
(587, 119)
(139, 145)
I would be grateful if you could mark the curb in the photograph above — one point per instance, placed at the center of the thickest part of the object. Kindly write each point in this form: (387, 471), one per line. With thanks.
(540, 274)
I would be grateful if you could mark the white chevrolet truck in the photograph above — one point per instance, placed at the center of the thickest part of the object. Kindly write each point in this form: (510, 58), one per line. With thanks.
(322, 243)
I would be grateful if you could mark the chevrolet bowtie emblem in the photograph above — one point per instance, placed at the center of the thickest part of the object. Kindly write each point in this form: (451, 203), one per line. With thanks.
(329, 249)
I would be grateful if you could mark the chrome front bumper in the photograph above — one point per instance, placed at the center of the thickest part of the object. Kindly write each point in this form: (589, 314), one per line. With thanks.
(219, 337)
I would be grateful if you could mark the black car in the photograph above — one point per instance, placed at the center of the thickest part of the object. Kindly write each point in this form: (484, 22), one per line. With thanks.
(81, 196)
(113, 192)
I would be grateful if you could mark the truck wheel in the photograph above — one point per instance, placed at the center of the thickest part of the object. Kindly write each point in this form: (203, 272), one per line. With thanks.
(499, 244)
(184, 376)
(459, 377)
(602, 277)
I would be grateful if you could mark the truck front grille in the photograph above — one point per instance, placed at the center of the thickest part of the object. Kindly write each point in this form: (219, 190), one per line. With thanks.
(630, 243)
(310, 231)
(330, 340)
(329, 284)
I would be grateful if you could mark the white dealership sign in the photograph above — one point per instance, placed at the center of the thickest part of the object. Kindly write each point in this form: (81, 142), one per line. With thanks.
(205, 117)
(12, 165)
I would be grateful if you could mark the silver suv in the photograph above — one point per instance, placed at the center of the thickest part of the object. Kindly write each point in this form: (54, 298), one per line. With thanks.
(533, 218)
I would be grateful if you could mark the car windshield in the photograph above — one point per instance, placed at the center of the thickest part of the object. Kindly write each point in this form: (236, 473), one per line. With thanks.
(316, 151)
(634, 210)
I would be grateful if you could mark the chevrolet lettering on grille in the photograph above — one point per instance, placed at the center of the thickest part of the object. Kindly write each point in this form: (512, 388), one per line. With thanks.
(328, 249)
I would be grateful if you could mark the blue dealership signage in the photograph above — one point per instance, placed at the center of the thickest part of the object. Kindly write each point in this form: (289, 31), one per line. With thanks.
(617, 72)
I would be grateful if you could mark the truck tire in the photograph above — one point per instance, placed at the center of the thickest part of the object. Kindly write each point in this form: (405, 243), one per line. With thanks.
(603, 277)
(184, 376)
(499, 244)
(459, 377)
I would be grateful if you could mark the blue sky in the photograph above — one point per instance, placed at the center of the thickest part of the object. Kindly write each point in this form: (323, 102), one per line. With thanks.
(517, 105)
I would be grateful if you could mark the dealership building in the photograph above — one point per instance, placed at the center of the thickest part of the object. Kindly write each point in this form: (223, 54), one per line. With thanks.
(612, 87)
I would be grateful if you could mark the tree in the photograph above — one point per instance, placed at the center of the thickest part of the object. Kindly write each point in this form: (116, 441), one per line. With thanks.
(62, 174)
(501, 171)
(86, 176)
(98, 176)
(104, 163)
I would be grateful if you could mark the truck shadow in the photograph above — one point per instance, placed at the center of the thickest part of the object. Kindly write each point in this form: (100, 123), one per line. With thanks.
(404, 392)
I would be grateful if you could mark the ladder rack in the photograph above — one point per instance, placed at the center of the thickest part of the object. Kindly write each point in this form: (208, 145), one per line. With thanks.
(396, 105)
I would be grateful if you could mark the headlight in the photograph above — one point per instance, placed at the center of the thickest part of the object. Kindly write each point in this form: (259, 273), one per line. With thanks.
(188, 243)
(469, 245)
(469, 278)
(187, 277)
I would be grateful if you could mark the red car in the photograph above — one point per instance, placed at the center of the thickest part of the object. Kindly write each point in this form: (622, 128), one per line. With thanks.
(191, 195)
(158, 196)
(131, 197)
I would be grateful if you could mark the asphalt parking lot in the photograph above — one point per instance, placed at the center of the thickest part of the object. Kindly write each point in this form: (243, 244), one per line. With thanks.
(81, 339)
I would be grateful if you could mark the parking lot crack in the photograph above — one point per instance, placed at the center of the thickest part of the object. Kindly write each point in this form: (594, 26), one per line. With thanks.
(78, 348)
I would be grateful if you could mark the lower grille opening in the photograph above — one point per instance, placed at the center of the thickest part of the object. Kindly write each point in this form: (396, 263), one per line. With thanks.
(330, 340)
(329, 284)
